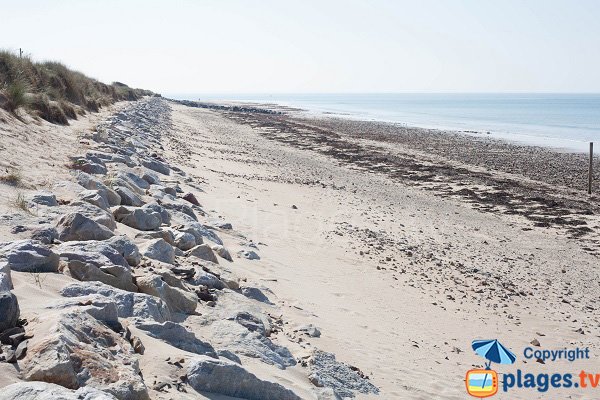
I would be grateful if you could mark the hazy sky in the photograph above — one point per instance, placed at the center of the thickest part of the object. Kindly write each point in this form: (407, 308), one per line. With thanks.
(269, 46)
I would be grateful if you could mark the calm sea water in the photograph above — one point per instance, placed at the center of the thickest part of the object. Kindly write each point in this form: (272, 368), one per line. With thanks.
(566, 121)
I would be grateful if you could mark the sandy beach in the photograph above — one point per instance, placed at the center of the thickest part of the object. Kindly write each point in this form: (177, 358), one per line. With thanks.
(404, 248)
(401, 248)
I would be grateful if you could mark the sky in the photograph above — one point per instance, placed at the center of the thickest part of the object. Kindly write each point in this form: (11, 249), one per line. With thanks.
(327, 46)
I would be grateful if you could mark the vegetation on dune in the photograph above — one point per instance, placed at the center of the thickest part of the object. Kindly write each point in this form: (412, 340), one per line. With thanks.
(51, 91)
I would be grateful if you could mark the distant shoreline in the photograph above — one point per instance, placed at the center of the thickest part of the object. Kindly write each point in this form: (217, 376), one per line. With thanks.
(542, 184)
(565, 122)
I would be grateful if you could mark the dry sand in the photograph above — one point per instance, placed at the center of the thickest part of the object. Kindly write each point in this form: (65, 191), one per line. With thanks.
(400, 280)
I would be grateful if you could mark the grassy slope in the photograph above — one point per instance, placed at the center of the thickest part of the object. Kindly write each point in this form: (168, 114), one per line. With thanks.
(51, 91)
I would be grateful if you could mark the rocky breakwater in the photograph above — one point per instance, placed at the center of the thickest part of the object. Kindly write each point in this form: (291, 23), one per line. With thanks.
(145, 268)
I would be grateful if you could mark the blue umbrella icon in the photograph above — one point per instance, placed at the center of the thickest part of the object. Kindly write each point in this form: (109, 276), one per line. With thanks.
(493, 351)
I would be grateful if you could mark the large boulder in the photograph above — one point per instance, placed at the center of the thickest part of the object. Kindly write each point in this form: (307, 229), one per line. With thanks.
(92, 183)
(204, 278)
(100, 307)
(128, 197)
(177, 336)
(222, 251)
(203, 252)
(95, 213)
(233, 336)
(206, 374)
(9, 311)
(183, 240)
(155, 165)
(158, 249)
(133, 180)
(199, 231)
(94, 197)
(143, 219)
(126, 248)
(5, 277)
(83, 352)
(50, 391)
(129, 305)
(326, 371)
(164, 214)
(97, 261)
(178, 300)
(43, 198)
(29, 256)
(76, 226)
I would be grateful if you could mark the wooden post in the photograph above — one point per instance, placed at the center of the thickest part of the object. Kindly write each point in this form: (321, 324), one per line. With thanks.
(20, 52)
(591, 168)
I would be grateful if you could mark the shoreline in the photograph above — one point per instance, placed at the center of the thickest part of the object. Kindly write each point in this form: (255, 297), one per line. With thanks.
(519, 136)
(547, 187)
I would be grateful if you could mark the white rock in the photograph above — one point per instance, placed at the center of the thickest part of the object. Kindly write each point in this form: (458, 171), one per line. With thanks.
(81, 351)
(50, 391)
(225, 377)
(29, 256)
(129, 305)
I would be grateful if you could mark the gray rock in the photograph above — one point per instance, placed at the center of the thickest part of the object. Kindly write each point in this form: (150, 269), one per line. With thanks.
(178, 336)
(96, 261)
(255, 294)
(126, 248)
(151, 177)
(132, 179)
(164, 214)
(232, 336)
(5, 277)
(44, 234)
(326, 371)
(178, 300)
(326, 394)
(50, 391)
(100, 307)
(81, 351)
(94, 213)
(309, 330)
(94, 197)
(76, 226)
(178, 207)
(6, 337)
(144, 219)
(158, 249)
(203, 278)
(9, 311)
(225, 377)
(248, 254)
(222, 252)
(164, 234)
(155, 165)
(21, 349)
(203, 252)
(89, 272)
(29, 256)
(129, 305)
(229, 355)
(92, 183)
(44, 198)
(183, 240)
(128, 197)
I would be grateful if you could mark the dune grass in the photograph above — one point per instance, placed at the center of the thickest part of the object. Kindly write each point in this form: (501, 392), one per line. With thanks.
(53, 92)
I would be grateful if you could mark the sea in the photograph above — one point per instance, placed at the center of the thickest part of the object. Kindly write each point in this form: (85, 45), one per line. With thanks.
(564, 121)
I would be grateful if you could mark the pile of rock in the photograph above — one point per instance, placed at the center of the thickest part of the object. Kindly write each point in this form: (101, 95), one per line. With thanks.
(136, 242)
